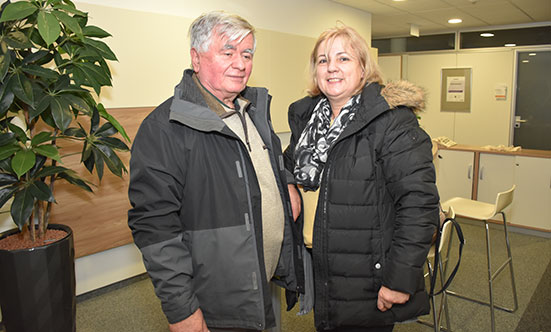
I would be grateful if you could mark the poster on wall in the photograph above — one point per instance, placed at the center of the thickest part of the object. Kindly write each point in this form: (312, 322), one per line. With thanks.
(456, 90)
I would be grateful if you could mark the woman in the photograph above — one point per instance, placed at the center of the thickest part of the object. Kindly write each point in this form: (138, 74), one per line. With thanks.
(358, 153)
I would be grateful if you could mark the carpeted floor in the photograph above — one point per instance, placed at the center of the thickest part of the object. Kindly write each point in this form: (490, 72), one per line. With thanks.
(132, 306)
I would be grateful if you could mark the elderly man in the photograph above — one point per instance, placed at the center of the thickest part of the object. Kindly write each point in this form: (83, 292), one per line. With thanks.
(210, 208)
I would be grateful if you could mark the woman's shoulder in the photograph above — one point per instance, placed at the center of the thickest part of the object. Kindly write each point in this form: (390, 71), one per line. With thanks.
(303, 105)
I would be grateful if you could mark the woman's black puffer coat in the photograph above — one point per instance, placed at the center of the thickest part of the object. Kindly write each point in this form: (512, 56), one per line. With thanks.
(377, 209)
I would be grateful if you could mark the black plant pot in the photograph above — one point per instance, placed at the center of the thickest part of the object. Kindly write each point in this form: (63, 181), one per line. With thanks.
(37, 286)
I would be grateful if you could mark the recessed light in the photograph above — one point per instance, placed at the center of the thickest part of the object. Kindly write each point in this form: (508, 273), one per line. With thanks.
(486, 34)
(455, 20)
(525, 61)
(531, 54)
(510, 45)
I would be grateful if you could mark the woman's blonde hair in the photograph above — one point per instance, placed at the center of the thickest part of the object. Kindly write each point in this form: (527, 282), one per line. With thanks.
(357, 45)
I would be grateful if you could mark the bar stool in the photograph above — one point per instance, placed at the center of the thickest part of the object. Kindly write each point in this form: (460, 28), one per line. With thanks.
(444, 239)
(483, 212)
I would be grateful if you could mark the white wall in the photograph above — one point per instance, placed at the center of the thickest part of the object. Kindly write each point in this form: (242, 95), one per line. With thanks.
(488, 122)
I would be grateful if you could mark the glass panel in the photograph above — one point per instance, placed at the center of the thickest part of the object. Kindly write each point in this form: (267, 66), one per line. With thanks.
(519, 37)
(415, 44)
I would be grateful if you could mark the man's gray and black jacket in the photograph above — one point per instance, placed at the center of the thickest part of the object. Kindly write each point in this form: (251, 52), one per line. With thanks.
(196, 212)
(377, 209)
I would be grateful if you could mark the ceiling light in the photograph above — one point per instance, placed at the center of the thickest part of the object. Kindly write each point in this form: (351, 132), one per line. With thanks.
(531, 54)
(398, 0)
(486, 34)
(525, 61)
(510, 45)
(455, 20)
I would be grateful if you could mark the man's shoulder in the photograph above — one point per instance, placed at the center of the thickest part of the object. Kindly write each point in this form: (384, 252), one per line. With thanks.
(160, 113)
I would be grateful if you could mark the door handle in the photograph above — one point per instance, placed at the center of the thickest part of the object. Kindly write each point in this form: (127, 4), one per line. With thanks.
(518, 121)
(469, 172)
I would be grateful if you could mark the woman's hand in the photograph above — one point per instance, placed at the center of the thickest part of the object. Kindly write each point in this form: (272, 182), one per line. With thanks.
(295, 200)
(388, 297)
(194, 323)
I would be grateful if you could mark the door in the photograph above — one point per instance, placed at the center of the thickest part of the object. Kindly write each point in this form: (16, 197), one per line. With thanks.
(532, 121)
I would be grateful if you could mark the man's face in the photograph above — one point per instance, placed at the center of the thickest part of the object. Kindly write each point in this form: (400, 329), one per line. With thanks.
(225, 68)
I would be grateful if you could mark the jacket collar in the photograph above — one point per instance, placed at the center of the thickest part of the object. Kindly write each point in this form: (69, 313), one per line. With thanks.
(195, 107)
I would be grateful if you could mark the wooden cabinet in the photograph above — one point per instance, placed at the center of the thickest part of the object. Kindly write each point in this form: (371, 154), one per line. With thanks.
(496, 173)
(454, 173)
(479, 174)
(531, 205)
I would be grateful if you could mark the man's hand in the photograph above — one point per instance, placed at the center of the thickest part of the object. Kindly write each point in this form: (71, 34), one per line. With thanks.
(388, 297)
(194, 323)
(295, 200)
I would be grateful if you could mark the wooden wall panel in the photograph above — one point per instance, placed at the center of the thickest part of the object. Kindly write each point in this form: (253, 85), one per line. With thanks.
(99, 219)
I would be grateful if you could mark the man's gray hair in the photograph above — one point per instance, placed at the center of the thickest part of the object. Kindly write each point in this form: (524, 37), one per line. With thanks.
(232, 26)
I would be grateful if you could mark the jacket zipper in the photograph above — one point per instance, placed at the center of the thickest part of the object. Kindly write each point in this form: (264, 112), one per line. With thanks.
(256, 274)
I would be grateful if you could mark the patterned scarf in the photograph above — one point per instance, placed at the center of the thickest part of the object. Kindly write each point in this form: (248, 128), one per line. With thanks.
(316, 139)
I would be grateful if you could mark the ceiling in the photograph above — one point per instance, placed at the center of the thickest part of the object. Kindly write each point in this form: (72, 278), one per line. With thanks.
(392, 18)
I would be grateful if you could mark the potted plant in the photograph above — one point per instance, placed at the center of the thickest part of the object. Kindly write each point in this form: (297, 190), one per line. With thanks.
(52, 66)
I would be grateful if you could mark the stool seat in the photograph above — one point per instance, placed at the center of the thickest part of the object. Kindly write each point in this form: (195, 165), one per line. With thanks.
(470, 209)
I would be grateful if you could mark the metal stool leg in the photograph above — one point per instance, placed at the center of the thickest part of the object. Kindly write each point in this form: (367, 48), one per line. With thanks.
(488, 255)
(444, 301)
(510, 260)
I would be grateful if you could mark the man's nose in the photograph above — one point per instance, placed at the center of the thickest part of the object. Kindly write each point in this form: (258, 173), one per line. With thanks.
(239, 63)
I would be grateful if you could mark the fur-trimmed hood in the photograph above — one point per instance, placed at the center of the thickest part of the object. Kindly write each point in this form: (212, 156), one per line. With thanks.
(404, 93)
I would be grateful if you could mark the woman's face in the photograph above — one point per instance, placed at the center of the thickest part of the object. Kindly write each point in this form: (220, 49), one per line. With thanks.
(338, 72)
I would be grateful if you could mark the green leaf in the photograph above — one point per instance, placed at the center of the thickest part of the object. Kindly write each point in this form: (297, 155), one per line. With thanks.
(75, 132)
(23, 161)
(17, 10)
(101, 47)
(50, 170)
(94, 31)
(39, 71)
(6, 98)
(73, 179)
(7, 138)
(6, 193)
(96, 72)
(94, 121)
(5, 61)
(7, 151)
(20, 133)
(40, 107)
(61, 113)
(22, 88)
(41, 191)
(113, 161)
(69, 22)
(22, 207)
(48, 26)
(98, 161)
(6, 179)
(106, 130)
(114, 143)
(36, 56)
(77, 103)
(49, 151)
(43, 136)
(83, 78)
(18, 40)
(71, 10)
(103, 113)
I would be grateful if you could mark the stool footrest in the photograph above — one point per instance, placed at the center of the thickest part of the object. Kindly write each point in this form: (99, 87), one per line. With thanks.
(421, 321)
(507, 262)
(464, 297)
